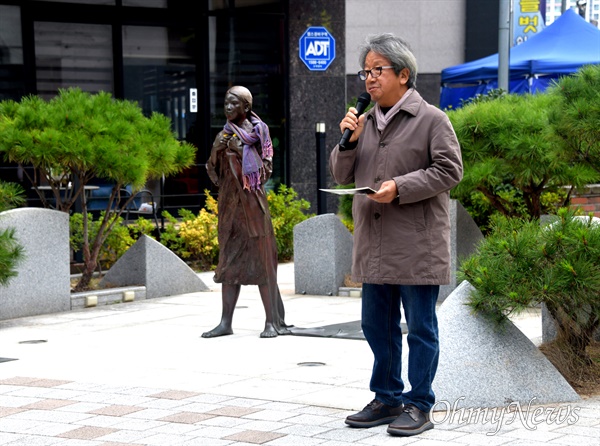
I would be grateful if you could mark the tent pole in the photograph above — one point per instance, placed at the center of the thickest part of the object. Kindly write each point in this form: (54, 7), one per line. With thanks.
(504, 45)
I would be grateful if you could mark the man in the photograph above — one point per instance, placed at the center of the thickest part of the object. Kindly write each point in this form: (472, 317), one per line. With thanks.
(407, 150)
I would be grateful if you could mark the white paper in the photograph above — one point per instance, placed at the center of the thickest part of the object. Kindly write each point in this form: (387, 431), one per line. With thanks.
(358, 190)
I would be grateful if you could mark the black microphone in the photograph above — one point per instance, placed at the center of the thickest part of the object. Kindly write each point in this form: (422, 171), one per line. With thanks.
(363, 102)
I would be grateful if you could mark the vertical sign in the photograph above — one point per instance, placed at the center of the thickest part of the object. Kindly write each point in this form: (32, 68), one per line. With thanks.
(193, 100)
(527, 20)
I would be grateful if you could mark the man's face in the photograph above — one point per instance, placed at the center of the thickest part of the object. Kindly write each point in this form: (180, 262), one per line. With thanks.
(235, 109)
(388, 88)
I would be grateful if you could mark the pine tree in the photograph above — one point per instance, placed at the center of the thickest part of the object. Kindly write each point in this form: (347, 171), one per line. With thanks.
(78, 136)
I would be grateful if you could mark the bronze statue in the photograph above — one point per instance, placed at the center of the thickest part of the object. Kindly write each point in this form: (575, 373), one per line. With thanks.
(240, 164)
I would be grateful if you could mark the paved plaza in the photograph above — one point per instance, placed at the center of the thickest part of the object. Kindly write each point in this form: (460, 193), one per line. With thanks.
(139, 373)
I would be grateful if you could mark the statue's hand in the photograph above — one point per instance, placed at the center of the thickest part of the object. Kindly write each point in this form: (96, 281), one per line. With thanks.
(233, 144)
(224, 139)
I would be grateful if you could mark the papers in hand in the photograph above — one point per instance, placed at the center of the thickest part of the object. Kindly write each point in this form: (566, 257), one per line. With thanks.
(357, 190)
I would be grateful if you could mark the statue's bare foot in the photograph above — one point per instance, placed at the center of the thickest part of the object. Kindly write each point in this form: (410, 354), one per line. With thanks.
(219, 330)
(283, 330)
(269, 331)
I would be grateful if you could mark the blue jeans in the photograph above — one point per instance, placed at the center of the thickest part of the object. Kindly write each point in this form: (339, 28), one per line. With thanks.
(381, 327)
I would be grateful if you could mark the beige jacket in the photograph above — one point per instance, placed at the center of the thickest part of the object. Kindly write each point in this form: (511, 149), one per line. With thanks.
(407, 241)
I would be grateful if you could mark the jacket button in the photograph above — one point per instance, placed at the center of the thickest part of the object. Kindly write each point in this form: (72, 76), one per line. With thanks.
(377, 180)
(381, 144)
(377, 215)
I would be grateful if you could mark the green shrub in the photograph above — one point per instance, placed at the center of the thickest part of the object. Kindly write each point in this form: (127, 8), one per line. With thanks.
(119, 240)
(523, 153)
(11, 253)
(482, 210)
(287, 210)
(12, 195)
(345, 208)
(195, 237)
(521, 264)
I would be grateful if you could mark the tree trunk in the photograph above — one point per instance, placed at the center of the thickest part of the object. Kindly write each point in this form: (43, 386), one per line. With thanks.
(90, 257)
(573, 333)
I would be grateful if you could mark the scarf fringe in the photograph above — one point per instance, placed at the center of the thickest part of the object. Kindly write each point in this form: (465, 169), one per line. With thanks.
(252, 180)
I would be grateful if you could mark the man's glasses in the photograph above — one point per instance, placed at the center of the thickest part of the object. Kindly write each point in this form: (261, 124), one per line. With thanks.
(374, 72)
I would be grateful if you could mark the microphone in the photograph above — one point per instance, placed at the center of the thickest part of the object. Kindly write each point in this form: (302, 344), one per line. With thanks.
(363, 101)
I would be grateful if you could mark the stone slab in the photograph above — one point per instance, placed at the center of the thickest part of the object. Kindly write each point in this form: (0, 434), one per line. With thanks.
(43, 284)
(108, 296)
(322, 255)
(149, 263)
(482, 365)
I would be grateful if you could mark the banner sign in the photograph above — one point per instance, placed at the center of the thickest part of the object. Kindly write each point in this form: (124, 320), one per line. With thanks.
(527, 19)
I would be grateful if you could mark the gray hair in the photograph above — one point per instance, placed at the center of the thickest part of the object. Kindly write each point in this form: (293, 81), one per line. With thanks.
(393, 48)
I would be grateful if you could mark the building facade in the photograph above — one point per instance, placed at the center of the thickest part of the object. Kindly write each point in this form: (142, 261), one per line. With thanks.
(168, 60)
(179, 62)
(588, 9)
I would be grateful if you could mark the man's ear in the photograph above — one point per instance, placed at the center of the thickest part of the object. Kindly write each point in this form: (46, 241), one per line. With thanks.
(404, 75)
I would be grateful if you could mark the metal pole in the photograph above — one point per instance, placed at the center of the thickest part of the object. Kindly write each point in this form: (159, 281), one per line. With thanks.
(504, 45)
(321, 169)
(161, 201)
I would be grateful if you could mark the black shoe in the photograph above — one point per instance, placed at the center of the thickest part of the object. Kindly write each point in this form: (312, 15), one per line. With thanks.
(374, 414)
(411, 421)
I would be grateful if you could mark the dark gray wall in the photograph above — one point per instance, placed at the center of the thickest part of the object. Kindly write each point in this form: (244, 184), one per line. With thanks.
(314, 96)
(481, 28)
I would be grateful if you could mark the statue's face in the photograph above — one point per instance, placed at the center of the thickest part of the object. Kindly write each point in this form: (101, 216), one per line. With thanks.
(235, 109)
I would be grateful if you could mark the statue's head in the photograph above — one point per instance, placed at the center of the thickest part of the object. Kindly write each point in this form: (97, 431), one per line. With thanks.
(238, 103)
(242, 93)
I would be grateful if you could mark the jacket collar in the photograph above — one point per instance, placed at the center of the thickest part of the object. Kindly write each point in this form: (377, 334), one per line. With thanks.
(411, 105)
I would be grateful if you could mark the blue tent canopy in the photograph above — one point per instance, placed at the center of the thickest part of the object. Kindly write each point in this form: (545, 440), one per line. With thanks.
(560, 49)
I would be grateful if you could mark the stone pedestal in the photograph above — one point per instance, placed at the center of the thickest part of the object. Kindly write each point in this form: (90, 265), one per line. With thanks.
(322, 255)
(43, 283)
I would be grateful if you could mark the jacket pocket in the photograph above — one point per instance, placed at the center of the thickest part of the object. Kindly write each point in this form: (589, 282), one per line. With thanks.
(419, 217)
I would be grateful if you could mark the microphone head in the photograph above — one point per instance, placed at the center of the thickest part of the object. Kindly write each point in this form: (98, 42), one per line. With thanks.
(363, 101)
(365, 97)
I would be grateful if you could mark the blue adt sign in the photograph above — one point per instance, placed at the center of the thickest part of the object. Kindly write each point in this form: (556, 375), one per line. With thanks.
(317, 48)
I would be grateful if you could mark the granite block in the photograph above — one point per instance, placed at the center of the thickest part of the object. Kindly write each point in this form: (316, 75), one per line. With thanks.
(43, 284)
(148, 263)
(322, 255)
(485, 365)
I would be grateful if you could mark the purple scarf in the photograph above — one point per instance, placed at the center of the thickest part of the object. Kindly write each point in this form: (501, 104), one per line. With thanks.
(252, 164)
